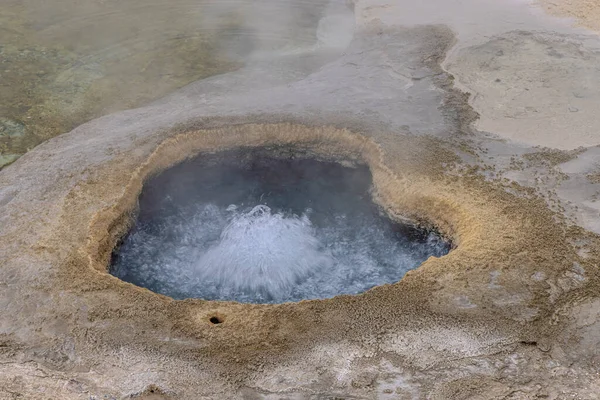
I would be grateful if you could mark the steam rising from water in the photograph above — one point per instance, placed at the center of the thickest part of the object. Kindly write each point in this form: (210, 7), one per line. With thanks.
(251, 228)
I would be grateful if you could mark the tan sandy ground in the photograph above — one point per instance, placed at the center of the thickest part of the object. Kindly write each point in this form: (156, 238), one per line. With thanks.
(585, 12)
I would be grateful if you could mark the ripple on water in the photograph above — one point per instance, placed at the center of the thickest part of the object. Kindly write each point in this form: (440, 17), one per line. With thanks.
(266, 230)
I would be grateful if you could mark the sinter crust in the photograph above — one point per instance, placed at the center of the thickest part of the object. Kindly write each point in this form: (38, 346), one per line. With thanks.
(485, 294)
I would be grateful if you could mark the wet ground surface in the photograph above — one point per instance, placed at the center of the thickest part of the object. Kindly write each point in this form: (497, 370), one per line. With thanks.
(63, 63)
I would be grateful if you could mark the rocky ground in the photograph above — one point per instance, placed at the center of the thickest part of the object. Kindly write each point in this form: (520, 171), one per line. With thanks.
(475, 116)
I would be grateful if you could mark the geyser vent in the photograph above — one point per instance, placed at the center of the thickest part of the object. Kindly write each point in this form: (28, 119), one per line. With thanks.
(263, 226)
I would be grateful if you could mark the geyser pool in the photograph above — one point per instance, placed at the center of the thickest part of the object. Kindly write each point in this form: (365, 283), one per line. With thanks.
(266, 226)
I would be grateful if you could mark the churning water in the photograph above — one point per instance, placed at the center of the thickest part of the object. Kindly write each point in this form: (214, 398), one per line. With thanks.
(249, 227)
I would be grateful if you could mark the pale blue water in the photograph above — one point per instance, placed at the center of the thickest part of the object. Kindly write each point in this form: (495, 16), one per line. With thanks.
(246, 227)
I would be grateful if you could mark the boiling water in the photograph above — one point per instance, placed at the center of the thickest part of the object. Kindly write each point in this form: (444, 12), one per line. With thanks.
(252, 228)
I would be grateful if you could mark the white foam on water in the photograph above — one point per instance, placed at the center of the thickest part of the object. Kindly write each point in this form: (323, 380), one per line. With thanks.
(261, 252)
(252, 254)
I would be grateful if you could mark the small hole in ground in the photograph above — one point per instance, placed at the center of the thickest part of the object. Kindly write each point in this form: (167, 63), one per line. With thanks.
(215, 320)
(529, 342)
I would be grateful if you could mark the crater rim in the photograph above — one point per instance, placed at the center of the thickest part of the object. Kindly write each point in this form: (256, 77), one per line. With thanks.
(111, 224)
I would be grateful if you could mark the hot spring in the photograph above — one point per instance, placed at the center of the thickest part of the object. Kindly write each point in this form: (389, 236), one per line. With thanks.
(266, 226)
